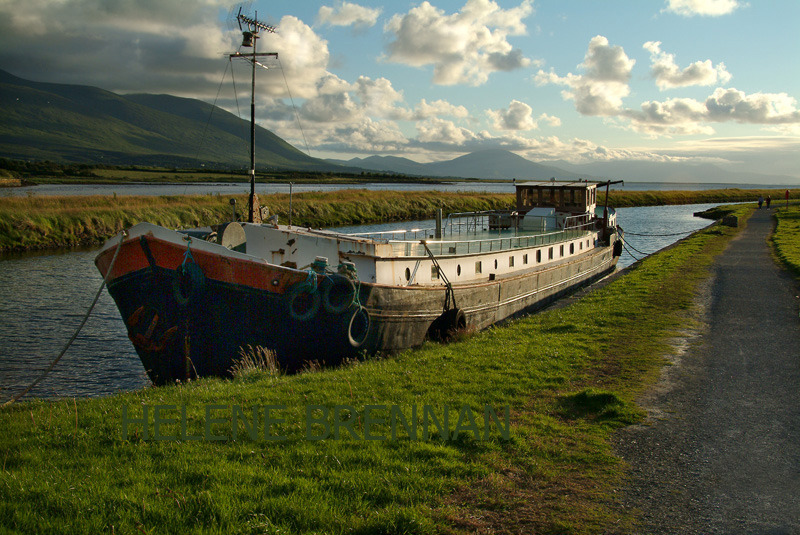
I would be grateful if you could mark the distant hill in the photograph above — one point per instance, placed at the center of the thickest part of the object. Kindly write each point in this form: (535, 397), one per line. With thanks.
(486, 164)
(505, 165)
(71, 123)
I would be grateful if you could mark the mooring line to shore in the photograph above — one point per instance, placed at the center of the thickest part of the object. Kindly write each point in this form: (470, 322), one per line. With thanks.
(686, 232)
(80, 327)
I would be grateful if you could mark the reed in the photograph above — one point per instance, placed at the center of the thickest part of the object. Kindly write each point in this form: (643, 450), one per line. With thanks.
(63, 221)
(47, 222)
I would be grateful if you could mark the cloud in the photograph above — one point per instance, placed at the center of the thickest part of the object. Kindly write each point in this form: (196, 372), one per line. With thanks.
(444, 132)
(519, 116)
(707, 8)
(668, 75)
(125, 45)
(757, 108)
(600, 91)
(153, 46)
(348, 14)
(465, 47)
(688, 116)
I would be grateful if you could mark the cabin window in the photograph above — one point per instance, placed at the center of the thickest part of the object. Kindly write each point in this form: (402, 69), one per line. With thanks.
(510, 261)
(561, 251)
(571, 248)
(408, 274)
(539, 256)
(581, 246)
(495, 263)
(478, 267)
(458, 270)
(587, 244)
(550, 253)
(524, 259)
(434, 272)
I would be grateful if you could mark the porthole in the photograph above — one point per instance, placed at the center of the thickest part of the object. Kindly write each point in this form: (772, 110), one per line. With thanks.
(495, 263)
(458, 270)
(408, 274)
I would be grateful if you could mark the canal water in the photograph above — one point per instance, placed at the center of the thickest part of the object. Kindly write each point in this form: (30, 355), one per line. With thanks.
(262, 189)
(44, 296)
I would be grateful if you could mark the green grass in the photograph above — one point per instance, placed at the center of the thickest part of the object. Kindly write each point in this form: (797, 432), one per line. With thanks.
(786, 240)
(569, 377)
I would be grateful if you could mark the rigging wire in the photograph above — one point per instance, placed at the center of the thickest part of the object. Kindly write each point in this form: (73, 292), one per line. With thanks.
(236, 98)
(296, 114)
(210, 114)
(74, 336)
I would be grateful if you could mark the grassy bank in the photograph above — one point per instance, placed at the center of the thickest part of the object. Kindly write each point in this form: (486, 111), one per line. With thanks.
(568, 377)
(786, 240)
(48, 222)
(42, 222)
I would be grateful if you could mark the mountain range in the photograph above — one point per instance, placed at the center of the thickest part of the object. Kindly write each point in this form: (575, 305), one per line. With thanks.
(502, 164)
(74, 123)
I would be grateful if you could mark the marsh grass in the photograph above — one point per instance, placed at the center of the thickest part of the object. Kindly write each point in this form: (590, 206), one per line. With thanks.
(48, 222)
(569, 376)
(254, 362)
(786, 239)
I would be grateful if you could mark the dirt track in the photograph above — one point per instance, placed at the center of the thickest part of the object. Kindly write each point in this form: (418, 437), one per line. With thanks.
(721, 452)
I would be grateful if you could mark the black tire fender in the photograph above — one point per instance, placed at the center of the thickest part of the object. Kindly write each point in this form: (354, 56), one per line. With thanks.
(303, 305)
(338, 294)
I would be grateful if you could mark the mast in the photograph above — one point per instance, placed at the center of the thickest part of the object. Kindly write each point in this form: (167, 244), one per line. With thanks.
(249, 39)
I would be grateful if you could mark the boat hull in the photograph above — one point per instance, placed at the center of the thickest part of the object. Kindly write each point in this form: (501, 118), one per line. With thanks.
(192, 318)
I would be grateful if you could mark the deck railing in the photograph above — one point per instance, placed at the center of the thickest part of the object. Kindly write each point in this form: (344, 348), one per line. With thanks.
(483, 232)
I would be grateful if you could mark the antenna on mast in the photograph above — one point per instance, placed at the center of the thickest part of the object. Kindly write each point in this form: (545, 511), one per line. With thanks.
(250, 28)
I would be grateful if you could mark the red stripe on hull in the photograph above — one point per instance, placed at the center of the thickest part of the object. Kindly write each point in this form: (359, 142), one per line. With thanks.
(167, 255)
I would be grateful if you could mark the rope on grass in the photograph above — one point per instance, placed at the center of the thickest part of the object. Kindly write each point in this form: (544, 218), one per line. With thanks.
(74, 336)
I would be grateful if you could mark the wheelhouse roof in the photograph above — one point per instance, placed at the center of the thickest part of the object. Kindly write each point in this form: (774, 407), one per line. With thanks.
(558, 184)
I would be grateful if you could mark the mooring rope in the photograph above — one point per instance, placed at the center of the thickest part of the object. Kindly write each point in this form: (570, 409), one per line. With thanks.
(624, 244)
(660, 235)
(628, 244)
(74, 336)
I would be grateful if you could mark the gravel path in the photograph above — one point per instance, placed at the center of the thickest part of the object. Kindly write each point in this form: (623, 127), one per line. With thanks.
(721, 452)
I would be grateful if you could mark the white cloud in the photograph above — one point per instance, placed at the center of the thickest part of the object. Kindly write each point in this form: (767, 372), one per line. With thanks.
(303, 57)
(687, 116)
(348, 14)
(708, 8)
(437, 108)
(465, 47)
(519, 116)
(444, 132)
(669, 75)
(601, 89)
(757, 108)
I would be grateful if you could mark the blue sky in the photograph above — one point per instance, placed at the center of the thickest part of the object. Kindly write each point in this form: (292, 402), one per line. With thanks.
(579, 80)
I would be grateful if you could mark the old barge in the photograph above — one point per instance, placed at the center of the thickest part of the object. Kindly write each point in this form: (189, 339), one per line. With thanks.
(191, 299)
